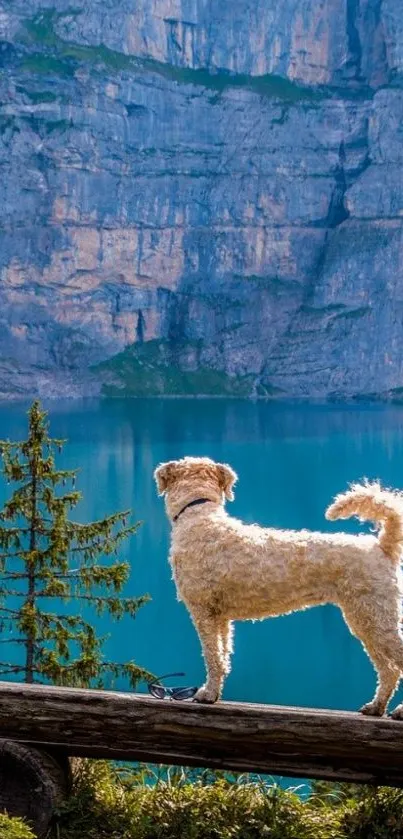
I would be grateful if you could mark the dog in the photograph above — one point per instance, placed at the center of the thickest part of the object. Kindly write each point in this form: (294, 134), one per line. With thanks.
(225, 570)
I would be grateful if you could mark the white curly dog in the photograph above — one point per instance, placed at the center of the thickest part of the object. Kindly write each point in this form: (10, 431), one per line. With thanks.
(225, 570)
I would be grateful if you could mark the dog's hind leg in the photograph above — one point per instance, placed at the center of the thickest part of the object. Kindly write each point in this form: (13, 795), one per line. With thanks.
(209, 631)
(378, 631)
(388, 681)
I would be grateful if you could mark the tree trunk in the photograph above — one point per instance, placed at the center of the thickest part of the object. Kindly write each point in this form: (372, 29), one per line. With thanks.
(29, 663)
(32, 783)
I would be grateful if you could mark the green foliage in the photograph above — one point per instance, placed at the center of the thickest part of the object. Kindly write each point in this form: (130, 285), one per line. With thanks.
(112, 801)
(40, 30)
(45, 127)
(109, 801)
(47, 65)
(11, 828)
(377, 815)
(40, 27)
(38, 97)
(269, 86)
(46, 557)
(150, 369)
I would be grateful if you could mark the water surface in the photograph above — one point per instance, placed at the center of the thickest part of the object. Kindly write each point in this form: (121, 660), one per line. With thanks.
(291, 460)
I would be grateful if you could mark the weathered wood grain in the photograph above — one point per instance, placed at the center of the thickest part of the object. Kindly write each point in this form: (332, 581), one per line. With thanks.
(243, 737)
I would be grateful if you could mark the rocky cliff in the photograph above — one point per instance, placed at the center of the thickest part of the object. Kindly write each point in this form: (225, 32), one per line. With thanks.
(201, 196)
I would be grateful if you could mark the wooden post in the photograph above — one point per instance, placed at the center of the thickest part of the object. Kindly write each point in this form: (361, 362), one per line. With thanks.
(243, 737)
(33, 783)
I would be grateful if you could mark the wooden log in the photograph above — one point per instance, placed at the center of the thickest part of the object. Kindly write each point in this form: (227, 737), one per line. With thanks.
(32, 783)
(296, 742)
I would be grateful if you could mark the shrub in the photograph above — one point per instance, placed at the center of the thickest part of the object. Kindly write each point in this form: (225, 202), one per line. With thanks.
(11, 828)
(378, 815)
(111, 802)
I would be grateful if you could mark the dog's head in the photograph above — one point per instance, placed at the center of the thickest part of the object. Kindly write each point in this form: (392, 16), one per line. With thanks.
(182, 481)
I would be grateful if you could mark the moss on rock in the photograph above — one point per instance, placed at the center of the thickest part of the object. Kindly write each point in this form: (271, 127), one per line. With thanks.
(153, 368)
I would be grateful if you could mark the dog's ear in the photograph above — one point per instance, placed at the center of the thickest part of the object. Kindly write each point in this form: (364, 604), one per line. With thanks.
(165, 475)
(226, 479)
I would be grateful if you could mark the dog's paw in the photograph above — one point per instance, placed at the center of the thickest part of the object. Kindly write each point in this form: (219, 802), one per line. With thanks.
(397, 714)
(206, 695)
(372, 709)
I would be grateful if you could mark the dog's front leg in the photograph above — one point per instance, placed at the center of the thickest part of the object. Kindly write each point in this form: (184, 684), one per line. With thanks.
(209, 633)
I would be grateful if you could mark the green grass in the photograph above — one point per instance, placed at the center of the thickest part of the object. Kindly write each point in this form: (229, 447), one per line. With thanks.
(40, 31)
(270, 86)
(14, 828)
(47, 65)
(38, 97)
(113, 803)
(45, 126)
(153, 368)
(41, 28)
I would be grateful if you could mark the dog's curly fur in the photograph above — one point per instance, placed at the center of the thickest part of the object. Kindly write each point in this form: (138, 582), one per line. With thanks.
(226, 570)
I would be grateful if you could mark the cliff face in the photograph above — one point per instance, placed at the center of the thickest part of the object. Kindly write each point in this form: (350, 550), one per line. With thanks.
(201, 196)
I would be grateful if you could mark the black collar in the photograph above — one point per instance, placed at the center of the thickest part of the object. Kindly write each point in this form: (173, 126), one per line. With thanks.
(191, 504)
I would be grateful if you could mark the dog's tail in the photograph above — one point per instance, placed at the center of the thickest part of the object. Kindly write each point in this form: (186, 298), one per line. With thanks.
(369, 502)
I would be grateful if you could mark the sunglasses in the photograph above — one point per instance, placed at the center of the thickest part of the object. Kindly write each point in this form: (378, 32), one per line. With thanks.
(162, 692)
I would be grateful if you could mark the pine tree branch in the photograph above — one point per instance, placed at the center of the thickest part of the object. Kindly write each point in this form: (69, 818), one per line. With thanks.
(75, 573)
(52, 617)
(43, 567)
(15, 531)
(50, 441)
(97, 548)
(90, 598)
(102, 525)
(41, 575)
(18, 668)
(44, 520)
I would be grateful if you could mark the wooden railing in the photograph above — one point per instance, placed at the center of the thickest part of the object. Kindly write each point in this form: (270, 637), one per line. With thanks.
(296, 742)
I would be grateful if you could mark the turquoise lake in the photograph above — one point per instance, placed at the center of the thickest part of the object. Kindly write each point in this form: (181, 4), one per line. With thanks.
(291, 460)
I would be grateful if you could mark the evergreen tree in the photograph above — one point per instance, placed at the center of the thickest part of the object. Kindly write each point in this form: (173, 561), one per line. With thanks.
(47, 558)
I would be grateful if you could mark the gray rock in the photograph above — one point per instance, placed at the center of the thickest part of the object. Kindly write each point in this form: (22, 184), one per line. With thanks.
(201, 197)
